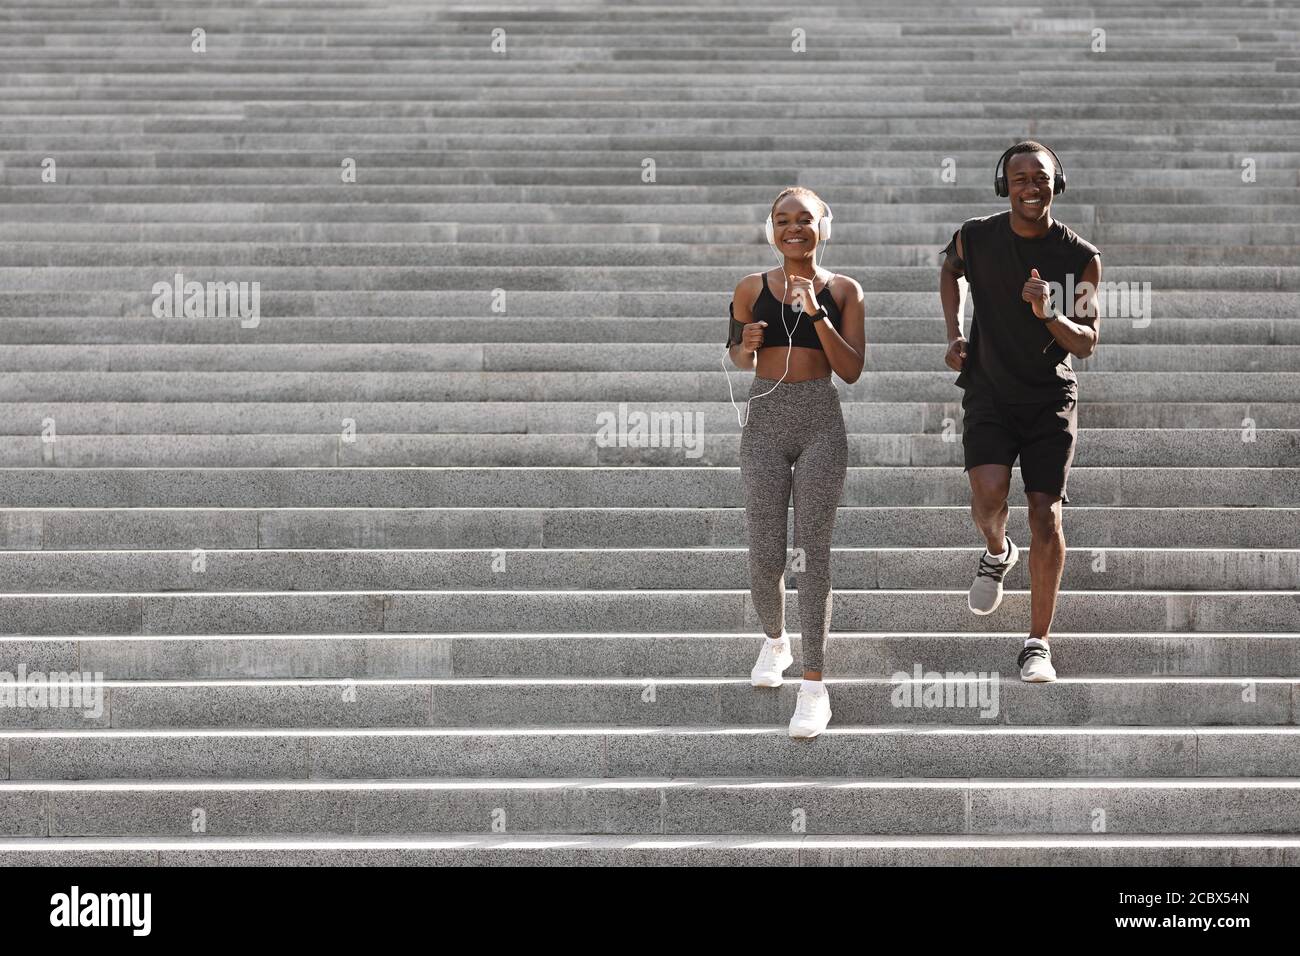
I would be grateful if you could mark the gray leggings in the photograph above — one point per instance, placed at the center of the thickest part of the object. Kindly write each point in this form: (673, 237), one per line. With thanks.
(799, 425)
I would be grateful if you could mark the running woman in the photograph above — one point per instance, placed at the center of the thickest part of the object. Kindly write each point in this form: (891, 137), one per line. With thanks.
(1021, 394)
(801, 323)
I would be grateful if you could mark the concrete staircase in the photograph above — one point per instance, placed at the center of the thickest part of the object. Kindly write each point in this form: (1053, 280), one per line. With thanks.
(364, 584)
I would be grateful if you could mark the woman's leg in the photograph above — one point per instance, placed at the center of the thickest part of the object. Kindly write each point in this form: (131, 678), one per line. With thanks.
(819, 473)
(765, 471)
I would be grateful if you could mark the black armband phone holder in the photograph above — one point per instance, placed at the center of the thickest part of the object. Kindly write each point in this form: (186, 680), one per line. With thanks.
(736, 330)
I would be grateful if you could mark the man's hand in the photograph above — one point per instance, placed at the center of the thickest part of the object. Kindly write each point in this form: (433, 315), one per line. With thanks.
(955, 357)
(1037, 294)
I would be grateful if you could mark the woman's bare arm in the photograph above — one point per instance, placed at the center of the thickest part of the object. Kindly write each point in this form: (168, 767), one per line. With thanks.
(846, 349)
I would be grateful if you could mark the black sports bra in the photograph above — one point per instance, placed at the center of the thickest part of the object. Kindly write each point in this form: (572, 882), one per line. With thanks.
(768, 308)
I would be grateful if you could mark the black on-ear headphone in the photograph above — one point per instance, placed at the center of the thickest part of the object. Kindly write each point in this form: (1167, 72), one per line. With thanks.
(1000, 173)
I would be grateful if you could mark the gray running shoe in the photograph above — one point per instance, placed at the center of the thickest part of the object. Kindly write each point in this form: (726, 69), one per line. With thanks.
(986, 592)
(1035, 662)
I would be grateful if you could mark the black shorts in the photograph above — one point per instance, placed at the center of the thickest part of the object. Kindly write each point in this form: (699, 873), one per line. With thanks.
(1041, 435)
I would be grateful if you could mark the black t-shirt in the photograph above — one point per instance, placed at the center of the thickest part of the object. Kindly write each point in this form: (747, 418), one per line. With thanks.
(1011, 353)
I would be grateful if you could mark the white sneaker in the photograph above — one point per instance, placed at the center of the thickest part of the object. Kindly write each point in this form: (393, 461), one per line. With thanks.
(773, 658)
(811, 714)
(1035, 662)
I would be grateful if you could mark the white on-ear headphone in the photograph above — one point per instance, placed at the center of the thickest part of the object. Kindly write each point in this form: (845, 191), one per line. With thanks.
(823, 235)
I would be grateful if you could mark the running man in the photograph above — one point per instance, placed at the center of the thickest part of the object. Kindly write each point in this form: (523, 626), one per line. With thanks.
(1021, 393)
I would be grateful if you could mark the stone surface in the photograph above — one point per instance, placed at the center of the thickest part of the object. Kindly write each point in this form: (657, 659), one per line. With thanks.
(360, 580)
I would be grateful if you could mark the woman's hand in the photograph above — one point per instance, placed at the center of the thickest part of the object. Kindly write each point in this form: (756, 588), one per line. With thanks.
(751, 339)
(805, 291)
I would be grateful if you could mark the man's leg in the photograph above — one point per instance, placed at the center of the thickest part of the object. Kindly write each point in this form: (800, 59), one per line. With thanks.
(1045, 461)
(990, 443)
(989, 487)
(1045, 464)
(1046, 560)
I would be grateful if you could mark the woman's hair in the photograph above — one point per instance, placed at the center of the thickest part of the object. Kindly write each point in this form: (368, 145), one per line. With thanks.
(798, 191)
